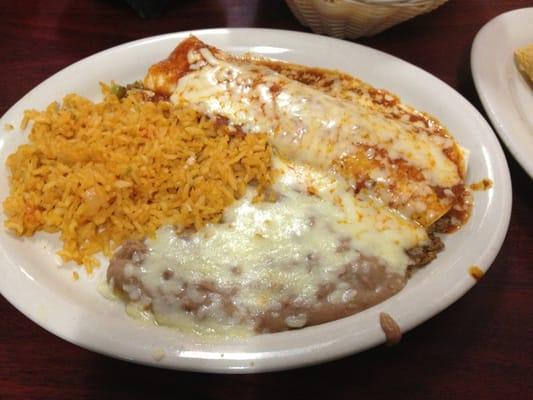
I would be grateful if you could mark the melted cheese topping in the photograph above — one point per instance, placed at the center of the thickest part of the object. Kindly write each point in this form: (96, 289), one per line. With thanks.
(363, 180)
(307, 125)
(401, 161)
(265, 253)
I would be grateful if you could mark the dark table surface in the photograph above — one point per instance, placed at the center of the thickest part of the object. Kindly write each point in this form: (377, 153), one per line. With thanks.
(479, 348)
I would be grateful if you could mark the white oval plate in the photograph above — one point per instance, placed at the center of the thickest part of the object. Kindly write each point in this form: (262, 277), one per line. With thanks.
(504, 92)
(75, 311)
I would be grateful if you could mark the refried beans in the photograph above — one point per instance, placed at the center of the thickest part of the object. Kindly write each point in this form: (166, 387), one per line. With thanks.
(297, 260)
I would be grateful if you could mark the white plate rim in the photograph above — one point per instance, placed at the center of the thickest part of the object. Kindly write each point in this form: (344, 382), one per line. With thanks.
(320, 343)
(496, 96)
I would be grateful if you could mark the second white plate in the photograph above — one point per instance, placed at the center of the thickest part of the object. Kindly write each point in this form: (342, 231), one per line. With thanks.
(504, 92)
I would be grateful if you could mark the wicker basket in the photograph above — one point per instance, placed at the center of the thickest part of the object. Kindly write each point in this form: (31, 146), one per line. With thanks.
(355, 18)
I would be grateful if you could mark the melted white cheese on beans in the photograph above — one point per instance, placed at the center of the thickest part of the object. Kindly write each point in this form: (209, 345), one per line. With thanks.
(264, 253)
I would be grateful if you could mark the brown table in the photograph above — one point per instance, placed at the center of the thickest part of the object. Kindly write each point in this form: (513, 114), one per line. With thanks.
(479, 348)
